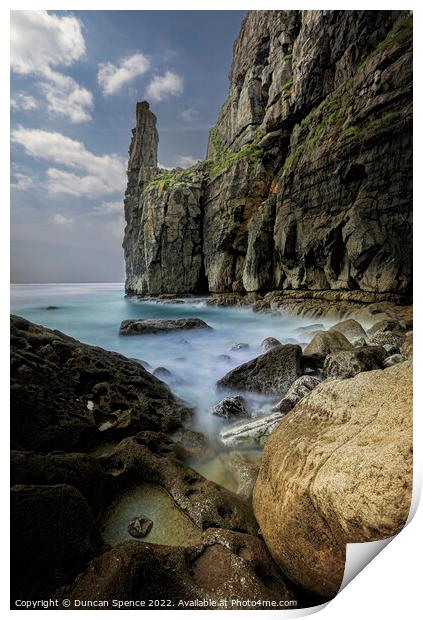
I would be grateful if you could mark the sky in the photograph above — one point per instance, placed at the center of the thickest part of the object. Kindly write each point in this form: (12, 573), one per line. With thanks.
(75, 80)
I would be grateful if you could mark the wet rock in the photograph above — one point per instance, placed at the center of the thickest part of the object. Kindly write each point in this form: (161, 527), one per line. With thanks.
(140, 526)
(250, 434)
(394, 359)
(134, 327)
(52, 308)
(152, 457)
(143, 363)
(345, 364)
(224, 358)
(339, 470)
(269, 343)
(245, 471)
(383, 337)
(351, 329)
(193, 442)
(240, 346)
(270, 373)
(300, 388)
(52, 537)
(232, 407)
(391, 349)
(407, 346)
(308, 331)
(50, 395)
(324, 343)
(387, 325)
(226, 565)
(162, 373)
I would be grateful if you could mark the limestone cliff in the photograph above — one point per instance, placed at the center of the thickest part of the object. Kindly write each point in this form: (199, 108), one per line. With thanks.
(307, 181)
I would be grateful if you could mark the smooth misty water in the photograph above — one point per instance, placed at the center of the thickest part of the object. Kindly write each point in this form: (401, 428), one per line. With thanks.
(92, 313)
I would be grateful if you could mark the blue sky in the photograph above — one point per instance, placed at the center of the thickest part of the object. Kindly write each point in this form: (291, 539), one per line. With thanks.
(75, 81)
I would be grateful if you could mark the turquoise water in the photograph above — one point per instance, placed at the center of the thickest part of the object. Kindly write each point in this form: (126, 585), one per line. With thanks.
(92, 313)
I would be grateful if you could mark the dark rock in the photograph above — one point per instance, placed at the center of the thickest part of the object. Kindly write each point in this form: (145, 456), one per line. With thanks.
(52, 537)
(162, 373)
(269, 343)
(270, 373)
(382, 337)
(385, 326)
(143, 363)
(394, 359)
(345, 364)
(194, 443)
(52, 308)
(63, 392)
(391, 349)
(300, 388)
(227, 565)
(140, 526)
(290, 134)
(134, 327)
(224, 358)
(232, 407)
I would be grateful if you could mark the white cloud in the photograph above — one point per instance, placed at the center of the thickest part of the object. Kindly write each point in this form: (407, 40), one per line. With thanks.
(62, 220)
(185, 161)
(41, 41)
(23, 101)
(111, 207)
(189, 115)
(21, 181)
(90, 175)
(112, 77)
(162, 86)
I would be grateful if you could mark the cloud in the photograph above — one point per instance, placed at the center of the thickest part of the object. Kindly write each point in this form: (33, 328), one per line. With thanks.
(186, 161)
(112, 78)
(62, 220)
(163, 86)
(42, 41)
(89, 174)
(21, 181)
(23, 101)
(111, 207)
(189, 115)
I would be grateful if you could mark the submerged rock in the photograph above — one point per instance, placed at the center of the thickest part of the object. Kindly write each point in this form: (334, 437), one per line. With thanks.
(345, 364)
(300, 388)
(339, 470)
(140, 526)
(135, 327)
(324, 343)
(270, 373)
(162, 373)
(240, 346)
(232, 407)
(269, 343)
(308, 331)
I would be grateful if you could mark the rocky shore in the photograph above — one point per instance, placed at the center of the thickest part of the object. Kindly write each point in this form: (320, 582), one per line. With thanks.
(92, 429)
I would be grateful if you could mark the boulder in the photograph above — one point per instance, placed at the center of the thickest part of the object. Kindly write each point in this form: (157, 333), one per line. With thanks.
(384, 337)
(269, 343)
(232, 407)
(345, 364)
(140, 527)
(137, 327)
(337, 469)
(240, 346)
(271, 373)
(308, 331)
(407, 346)
(162, 373)
(225, 566)
(300, 388)
(394, 359)
(52, 537)
(324, 343)
(66, 395)
(351, 329)
(251, 434)
(387, 325)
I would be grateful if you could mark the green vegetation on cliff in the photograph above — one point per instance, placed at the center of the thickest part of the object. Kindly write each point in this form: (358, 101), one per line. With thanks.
(223, 157)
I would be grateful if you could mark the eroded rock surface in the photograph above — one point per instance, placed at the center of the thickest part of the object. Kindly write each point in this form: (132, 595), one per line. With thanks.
(133, 327)
(337, 469)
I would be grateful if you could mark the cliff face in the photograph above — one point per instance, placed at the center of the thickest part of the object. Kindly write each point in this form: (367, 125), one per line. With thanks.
(307, 181)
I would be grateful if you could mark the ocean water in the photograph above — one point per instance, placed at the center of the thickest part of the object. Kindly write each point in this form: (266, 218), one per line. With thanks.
(92, 314)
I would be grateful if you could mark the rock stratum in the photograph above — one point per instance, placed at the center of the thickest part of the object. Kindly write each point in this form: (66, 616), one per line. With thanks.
(306, 187)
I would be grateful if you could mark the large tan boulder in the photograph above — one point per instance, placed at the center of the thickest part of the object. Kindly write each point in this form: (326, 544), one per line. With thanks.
(337, 469)
(351, 329)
